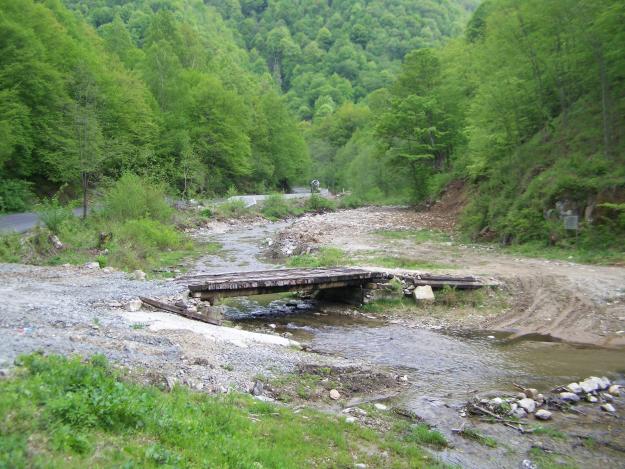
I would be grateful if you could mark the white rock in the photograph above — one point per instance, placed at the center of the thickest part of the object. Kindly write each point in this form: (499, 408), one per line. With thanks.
(497, 401)
(92, 265)
(379, 406)
(528, 404)
(540, 398)
(272, 326)
(139, 275)
(531, 393)
(615, 390)
(591, 398)
(590, 384)
(542, 414)
(569, 397)
(574, 387)
(350, 419)
(263, 398)
(514, 406)
(608, 407)
(604, 383)
(360, 466)
(108, 270)
(134, 305)
(334, 394)
(424, 293)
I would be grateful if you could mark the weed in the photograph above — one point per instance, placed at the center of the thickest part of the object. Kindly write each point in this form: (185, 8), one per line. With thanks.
(276, 207)
(227, 367)
(234, 208)
(11, 248)
(326, 257)
(475, 435)
(421, 433)
(392, 262)
(316, 203)
(53, 214)
(546, 460)
(548, 431)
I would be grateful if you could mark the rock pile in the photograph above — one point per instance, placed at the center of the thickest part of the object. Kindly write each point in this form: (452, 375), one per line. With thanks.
(292, 243)
(531, 402)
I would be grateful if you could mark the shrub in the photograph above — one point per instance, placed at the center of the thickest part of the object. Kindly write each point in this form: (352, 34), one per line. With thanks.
(276, 206)
(15, 195)
(53, 214)
(316, 203)
(133, 197)
(351, 201)
(10, 248)
(234, 208)
(149, 234)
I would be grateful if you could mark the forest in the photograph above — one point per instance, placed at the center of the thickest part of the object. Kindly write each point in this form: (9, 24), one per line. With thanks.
(523, 101)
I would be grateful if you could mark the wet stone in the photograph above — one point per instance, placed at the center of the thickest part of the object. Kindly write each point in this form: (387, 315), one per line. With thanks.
(608, 408)
(614, 390)
(528, 405)
(334, 394)
(543, 414)
(569, 397)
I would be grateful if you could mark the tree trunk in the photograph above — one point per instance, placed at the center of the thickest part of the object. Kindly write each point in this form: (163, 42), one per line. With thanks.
(85, 181)
(605, 99)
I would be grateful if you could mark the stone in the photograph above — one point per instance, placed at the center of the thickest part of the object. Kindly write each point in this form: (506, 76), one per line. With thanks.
(424, 294)
(569, 397)
(56, 242)
(497, 401)
(519, 413)
(607, 397)
(608, 407)
(528, 464)
(574, 387)
(170, 382)
(531, 393)
(92, 265)
(543, 414)
(134, 305)
(139, 275)
(335, 395)
(614, 390)
(590, 384)
(540, 398)
(591, 398)
(264, 398)
(257, 389)
(604, 383)
(521, 395)
(379, 406)
(350, 419)
(528, 404)
(360, 466)
(108, 270)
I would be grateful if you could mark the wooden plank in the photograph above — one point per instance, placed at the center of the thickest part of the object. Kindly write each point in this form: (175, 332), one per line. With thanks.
(178, 310)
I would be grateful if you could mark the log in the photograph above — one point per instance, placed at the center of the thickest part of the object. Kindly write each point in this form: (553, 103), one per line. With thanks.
(178, 310)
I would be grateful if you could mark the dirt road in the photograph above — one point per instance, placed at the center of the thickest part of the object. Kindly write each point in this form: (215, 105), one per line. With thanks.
(562, 300)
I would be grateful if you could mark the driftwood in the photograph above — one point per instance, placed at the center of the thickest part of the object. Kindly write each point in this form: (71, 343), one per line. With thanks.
(179, 310)
(500, 419)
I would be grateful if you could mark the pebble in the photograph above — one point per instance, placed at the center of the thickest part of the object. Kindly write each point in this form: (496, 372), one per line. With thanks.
(497, 401)
(528, 404)
(379, 406)
(574, 387)
(543, 414)
(608, 407)
(334, 394)
(591, 398)
(614, 390)
(569, 397)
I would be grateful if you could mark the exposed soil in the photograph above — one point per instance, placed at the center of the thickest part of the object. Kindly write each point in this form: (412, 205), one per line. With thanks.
(557, 299)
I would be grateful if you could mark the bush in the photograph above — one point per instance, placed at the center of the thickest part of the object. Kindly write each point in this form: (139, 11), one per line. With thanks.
(234, 208)
(276, 206)
(10, 248)
(15, 195)
(53, 214)
(351, 201)
(133, 197)
(146, 234)
(316, 203)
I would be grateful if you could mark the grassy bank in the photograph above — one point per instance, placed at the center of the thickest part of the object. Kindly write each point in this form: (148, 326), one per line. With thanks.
(59, 412)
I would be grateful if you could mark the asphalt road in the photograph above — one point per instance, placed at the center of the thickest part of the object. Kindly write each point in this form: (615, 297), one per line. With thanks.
(21, 222)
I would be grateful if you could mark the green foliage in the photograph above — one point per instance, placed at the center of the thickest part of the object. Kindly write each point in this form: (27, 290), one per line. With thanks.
(57, 410)
(316, 203)
(133, 197)
(15, 195)
(234, 208)
(475, 435)
(10, 247)
(421, 433)
(326, 257)
(53, 214)
(276, 207)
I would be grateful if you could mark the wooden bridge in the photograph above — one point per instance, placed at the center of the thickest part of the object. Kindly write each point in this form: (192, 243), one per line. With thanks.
(349, 283)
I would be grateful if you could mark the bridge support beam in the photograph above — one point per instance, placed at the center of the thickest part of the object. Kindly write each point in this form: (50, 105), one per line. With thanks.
(350, 295)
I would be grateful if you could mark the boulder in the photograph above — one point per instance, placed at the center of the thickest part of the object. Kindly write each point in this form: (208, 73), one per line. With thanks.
(379, 406)
(423, 294)
(529, 405)
(257, 389)
(56, 242)
(335, 395)
(615, 390)
(531, 393)
(543, 414)
(604, 383)
(569, 397)
(591, 384)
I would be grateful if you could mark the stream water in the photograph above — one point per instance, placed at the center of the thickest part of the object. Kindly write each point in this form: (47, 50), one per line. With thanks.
(441, 363)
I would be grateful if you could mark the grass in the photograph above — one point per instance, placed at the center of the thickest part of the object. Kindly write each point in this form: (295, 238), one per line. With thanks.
(69, 413)
(475, 435)
(398, 262)
(582, 255)
(548, 431)
(546, 460)
(422, 433)
(325, 257)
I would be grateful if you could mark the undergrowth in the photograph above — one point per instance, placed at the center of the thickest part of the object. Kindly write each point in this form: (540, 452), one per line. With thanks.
(58, 412)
